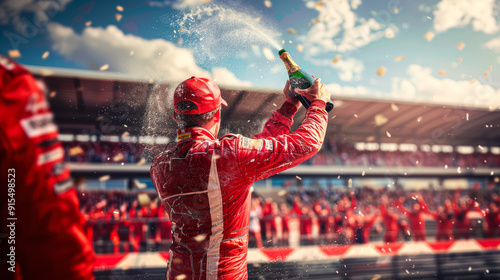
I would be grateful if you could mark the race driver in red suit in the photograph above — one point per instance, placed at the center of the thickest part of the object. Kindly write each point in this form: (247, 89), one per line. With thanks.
(49, 241)
(204, 182)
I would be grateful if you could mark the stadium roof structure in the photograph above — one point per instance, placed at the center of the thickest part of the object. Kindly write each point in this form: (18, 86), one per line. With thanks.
(92, 102)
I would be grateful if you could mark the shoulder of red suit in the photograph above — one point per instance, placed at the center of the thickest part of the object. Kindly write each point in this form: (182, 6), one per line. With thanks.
(230, 137)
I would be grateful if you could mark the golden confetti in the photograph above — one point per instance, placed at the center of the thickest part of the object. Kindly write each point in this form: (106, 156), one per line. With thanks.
(125, 134)
(200, 237)
(300, 48)
(88, 23)
(52, 94)
(74, 151)
(460, 46)
(132, 53)
(298, 178)
(473, 81)
(179, 41)
(182, 30)
(442, 72)
(104, 67)
(46, 72)
(180, 277)
(337, 58)
(291, 31)
(139, 185)
(268, 4)
(119, 8)
(282, 193)
(459, 60)
(486, 74)
(490, 68)
(141, 161)
(380, 119)
(143, 199)
(389, 33)
(396, 10)
(356, 115)
(14, 54)
(104, 178)
(45, 55)
(399, 58)
(394, 107)
(118, 17)
(429, 36)
(118, 157)
(463, 76)
(316, 20)
(388, 134)
(376, 277)
(369, 139)
(150, 80)
(319, 5)
(381, 71)
(419, 119)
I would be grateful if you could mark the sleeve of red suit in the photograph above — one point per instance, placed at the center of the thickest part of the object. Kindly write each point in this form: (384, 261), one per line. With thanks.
(274, 150)
(50, 242)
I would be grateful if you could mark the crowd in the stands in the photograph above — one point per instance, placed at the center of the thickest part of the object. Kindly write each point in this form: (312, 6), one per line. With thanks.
(332, 153)
(118, 221)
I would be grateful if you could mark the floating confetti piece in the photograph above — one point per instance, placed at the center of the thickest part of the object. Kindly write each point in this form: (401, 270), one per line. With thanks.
(268, 53)
(74, 151)
(118, 17)
(282, 193)
(268, 4)
(389, 33)
(380, 119)
(480, 147)
(119, 8)
(291, 31)
(143, 199)
(45, 55)
(459, 170)
(355, 115)
(429, 36)
(363, 173)
(298, 178)
(376, 276)
(180, 41)
(182, 30)
(442, 72)
(200, 237)
(141, 161)
(394, 107)
(104, 178)
(337, 58)
(490, 68)
(132, 53)
(118, 157)
(463, 76)
(419, 119)
(274, 104)
(399, 58)
(396, 10)
(125, 134)
(104, 67)
(52, 94)
(459, 60)
(139, 185)
(388, 134)
(319, 5)
(460, 46)
(300, 48)
(467, 116)
(316, 20)
(486, 74)
(88, 23)
(14, 53)
(381, 71)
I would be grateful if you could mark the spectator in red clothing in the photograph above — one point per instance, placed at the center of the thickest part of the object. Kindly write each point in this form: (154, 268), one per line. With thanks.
(285, 218)
(444, 221)
(415, 217)
(361, 227)
(267, 221)
(390, 221)
(322, 211)
(492, 217)
(461, 209)
(254, 225)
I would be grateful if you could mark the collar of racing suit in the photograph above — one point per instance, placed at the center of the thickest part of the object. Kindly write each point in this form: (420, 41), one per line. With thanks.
(194, 133)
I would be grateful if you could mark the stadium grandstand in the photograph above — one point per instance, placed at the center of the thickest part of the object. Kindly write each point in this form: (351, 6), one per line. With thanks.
(381, 159)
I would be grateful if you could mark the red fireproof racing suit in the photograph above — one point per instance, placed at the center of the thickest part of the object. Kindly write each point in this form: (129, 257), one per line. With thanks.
(204, 184)
(48, 238)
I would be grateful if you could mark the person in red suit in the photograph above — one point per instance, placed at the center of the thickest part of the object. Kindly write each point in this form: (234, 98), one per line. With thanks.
(415, 216)
(461, 209)
(390, 221)
(444, 218)
(39, 204)
(492, 216)
(361, 227)
(204, 182)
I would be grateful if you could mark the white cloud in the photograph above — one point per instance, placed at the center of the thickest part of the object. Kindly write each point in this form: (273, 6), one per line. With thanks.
(350, 69)
(222, 76)
(423, 86)
(157, 59)
(14, 11)
(493, 44)
(177, 4)
(340, 29)
(339, 90)
(460, 13)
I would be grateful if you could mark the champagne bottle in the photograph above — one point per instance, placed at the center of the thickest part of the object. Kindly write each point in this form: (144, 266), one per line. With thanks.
(299, 79)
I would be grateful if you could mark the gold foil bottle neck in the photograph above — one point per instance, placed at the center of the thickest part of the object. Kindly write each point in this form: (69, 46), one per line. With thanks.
(290, 65)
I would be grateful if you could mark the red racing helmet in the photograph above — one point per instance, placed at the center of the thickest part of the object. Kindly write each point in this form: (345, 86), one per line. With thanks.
(203, 92)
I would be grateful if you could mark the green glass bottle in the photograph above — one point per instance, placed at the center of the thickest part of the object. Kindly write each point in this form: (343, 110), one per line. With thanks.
(299, 79)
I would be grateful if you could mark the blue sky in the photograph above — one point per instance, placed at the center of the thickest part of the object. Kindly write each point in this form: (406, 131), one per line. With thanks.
(224, 40)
